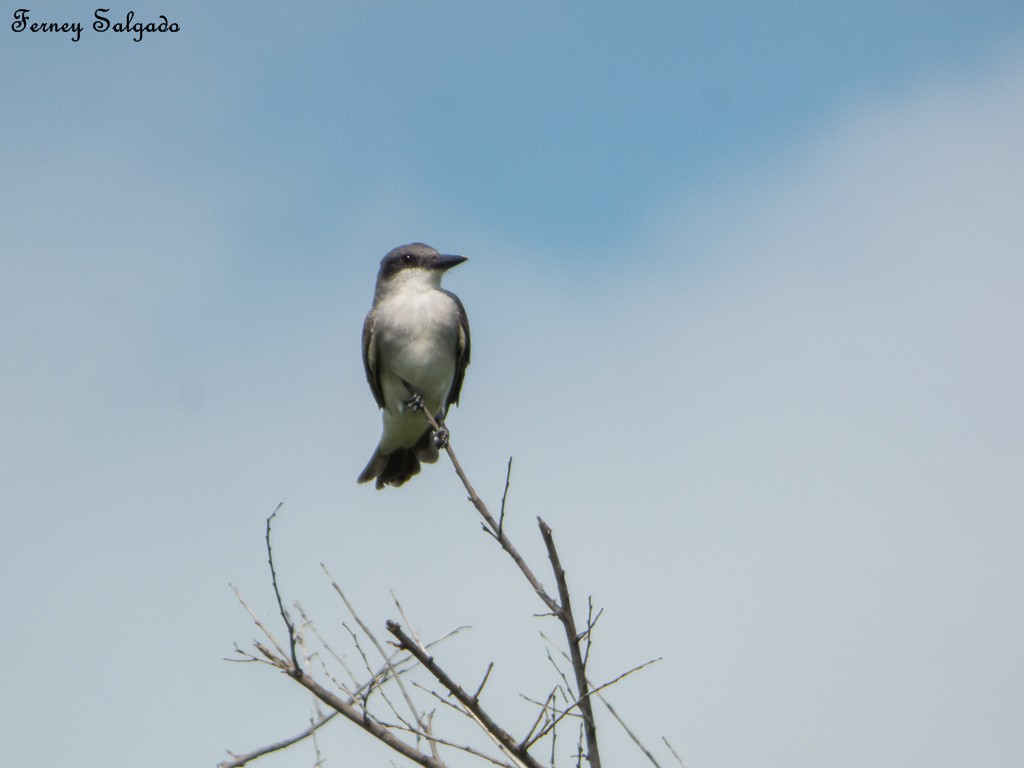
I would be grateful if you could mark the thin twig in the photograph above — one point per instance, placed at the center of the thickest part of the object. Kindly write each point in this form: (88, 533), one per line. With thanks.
(316, 742)
(629, 732)
(256, 619)
(316, 714)
(480, 688)
(378, 646)
(374, 683)
(462, 747)
(308, 624)
(239, 760)
(492, 524)
(558, 669)
(504, 497)
(591, 623)
(277, 593)
(405, 618)
(674, 753)
(568, 711)
(526, 740)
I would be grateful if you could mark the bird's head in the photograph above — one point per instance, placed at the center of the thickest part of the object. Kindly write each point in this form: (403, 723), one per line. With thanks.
(415, 264)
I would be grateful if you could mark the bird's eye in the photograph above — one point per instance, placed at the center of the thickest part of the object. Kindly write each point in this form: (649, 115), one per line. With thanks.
(407, 258)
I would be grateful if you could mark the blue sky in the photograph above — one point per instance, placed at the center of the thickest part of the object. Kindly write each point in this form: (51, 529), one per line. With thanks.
(745, 287)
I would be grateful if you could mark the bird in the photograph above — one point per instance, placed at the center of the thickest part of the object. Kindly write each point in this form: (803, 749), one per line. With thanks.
(415, 353)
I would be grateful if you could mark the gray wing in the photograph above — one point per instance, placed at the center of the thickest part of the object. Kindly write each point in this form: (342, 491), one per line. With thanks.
(370, 359)
(461, 351)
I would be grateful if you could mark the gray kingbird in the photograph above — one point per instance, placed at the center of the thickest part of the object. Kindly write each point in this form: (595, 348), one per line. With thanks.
(415, 351)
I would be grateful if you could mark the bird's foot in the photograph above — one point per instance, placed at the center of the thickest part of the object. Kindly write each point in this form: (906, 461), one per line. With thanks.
(441, 438)
(415, 402)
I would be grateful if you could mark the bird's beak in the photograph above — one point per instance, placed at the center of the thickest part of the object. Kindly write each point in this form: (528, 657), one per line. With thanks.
(443, 262)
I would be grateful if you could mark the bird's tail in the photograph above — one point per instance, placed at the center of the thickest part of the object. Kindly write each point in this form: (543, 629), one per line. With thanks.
(401, 464)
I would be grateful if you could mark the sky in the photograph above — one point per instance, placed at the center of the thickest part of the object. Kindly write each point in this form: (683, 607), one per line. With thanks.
(745, 286)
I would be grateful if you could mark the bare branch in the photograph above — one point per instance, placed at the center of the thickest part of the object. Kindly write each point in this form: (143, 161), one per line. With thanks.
(461, 747)
(568, 711)
(239, 760)
(559, 704)
(378, 678)
(467, 701)
(492, 524)
(444, 702)
(597, 691)
(373, 684)
(572, 638)
(360, 717)
(470, 716)
(378, 646)
(527, 741)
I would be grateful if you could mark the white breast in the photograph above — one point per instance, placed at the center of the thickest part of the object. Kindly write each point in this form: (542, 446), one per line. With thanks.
(416, 336)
